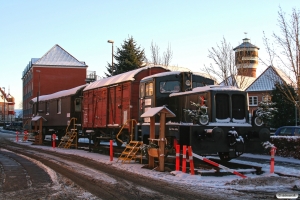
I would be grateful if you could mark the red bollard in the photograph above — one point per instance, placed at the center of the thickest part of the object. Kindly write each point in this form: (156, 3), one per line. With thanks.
(184, 158)
(177, 157)
(191, 160)
(111, 150)
(17, 136)
(273, 151)
(53, 140)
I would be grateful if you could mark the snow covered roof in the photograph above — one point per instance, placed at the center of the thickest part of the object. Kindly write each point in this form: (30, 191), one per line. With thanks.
(175, 73)
(267, 80)
(241, 82)
(127, 76)
(207, 88)
(58, 56)
(56, 95)
(246, 44)
(153, 111)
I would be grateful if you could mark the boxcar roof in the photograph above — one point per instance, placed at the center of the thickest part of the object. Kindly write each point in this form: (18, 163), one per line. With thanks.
(127, 76)
(59, 94)
(175, 73)
(207, 88)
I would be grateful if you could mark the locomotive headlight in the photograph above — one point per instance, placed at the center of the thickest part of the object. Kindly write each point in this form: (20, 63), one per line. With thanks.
(188, 82)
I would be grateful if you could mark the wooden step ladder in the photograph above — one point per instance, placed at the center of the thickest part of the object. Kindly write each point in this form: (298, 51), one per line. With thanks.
(67, 140)
(132, 152)
(70, 139)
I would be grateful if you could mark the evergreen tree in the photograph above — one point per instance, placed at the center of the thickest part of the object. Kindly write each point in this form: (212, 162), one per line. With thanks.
(128, 58)
(285, 114)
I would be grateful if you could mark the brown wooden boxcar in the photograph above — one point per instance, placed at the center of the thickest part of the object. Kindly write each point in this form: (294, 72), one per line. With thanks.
(108, 103)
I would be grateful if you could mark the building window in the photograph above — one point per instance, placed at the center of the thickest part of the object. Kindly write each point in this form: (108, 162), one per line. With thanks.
(58, 106)
(253, 101)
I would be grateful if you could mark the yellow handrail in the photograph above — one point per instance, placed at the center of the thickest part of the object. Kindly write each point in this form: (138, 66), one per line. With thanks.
(131, 134)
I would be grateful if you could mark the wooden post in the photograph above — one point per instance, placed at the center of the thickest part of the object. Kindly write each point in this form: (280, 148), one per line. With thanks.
(162, 142)
(152, 136)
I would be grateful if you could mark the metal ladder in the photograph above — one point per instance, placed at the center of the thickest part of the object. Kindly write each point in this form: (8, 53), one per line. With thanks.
(131, 152)
(68, 140)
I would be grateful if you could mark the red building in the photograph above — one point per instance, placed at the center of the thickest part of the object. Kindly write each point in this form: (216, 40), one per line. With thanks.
(55, 71)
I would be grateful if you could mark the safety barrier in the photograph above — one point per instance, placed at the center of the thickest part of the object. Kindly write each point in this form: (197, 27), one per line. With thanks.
(218, 165)
(185, 159)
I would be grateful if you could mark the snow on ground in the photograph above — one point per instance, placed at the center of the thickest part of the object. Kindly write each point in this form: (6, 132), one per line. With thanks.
(264, 182)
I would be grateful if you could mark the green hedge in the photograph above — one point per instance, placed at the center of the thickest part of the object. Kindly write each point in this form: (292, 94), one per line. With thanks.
(287, 146)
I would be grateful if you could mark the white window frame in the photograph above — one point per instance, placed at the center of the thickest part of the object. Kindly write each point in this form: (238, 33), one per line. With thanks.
(251, 100)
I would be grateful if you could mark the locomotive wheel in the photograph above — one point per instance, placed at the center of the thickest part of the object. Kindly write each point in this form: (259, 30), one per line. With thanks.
(224, 156)
(264, 134)
(203, 120)
(217, 134)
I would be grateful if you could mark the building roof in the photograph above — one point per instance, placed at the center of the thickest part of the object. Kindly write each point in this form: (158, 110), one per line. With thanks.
(58, 56)
(241, 82)
(267, 80)
(127, 76)
(246, 44)
(60, 94)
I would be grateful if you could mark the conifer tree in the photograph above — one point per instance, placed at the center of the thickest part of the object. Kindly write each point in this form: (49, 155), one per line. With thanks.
(128, 57)
(285, 114)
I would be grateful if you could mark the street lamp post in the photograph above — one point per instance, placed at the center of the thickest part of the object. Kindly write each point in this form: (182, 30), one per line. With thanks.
(4, 104)
(38, 94)
(112, 56)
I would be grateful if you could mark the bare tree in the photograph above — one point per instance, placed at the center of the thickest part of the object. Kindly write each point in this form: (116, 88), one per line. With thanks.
(156, 59)
(223, 67)
(286, 52)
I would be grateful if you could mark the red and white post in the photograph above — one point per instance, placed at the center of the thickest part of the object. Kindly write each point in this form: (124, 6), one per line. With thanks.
(177, 157)
(111, 152)
(184, 158)
(53, 140)
(191, 160)
(272, 162)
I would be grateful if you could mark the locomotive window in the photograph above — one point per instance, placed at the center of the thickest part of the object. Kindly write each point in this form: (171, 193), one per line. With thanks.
(149, 89)
(222, 106)
(169, 86)
(196, 84)
(238, 106)
(142, 90)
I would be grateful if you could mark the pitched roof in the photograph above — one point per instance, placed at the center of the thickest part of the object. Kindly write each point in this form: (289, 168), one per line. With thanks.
(266, 81)
(58, 56)
(242, 82)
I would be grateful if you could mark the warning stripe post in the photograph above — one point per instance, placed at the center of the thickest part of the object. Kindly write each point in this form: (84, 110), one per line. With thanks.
(184, 158)
(53, 140)
(111, 152)
(177, 157)
(191, 160)
(272, 162)
(218, 165)
(25, 137)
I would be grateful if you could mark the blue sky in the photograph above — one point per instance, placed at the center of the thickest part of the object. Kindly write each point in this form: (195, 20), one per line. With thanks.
(30, 28)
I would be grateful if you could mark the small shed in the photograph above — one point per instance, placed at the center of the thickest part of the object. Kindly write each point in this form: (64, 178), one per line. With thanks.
(38, 122)
(163, 112)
